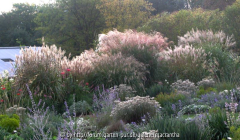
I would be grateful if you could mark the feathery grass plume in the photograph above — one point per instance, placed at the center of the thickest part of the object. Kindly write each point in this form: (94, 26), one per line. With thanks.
(141, 46)
(115, 70)
(40, 68)
(81, 65)
(200, 37)
(185, 62)
(117, 40)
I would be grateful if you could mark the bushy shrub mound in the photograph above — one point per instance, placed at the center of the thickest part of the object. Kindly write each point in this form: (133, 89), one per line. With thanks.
(134, 108)
(9, 123)
(180, 22)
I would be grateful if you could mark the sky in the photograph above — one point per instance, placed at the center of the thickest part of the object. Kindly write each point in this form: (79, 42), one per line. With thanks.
(6, 5)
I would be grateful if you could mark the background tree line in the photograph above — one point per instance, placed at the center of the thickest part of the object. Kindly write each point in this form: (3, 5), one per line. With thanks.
(74, 25)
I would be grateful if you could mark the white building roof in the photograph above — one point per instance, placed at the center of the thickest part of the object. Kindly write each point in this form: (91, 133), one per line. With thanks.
(7, 53)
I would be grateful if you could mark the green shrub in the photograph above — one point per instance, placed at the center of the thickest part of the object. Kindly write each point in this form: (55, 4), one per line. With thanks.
(134, 108)
(13, 137)
(9, 124)
(3, 133)
(171, 98)
(81, 108)
(178, 23)
(154, 90)
(217, 123)
(203, 91)
(232, 20)
(214, 110)
(235, 133)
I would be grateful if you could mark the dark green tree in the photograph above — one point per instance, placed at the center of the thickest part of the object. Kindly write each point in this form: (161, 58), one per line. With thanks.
(73, 25)
(18, 27)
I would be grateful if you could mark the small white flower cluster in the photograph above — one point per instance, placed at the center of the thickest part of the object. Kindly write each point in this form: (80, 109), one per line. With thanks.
(149, 135)
(206, 83)
(15, 109)
(225, 92)
(184, 87)
(134, 105)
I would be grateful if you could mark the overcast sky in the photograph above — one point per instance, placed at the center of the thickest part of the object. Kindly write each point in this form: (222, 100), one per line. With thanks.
(6, 5)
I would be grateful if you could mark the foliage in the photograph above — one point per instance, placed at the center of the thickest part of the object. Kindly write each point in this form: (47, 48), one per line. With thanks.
(214, 110)
(71, 24)
(234, 133)
(210, 4)
(81, 108)
(9, 95)
(212, 99)
(124, 14)
(154, 90)
(178, 23)
(217, 122)
(231, 21)
(190, 109)
(167, 6)
(203, 91)
(186, 130)
(3, 133)
(134, 108)
(9, 123)
(171, 98)
(103, 102)
(13, 137)
(185, 62)
(17, 26)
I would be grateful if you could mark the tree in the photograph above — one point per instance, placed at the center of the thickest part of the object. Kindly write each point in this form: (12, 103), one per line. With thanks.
(17, 27)
(167, 5)
(71, 24)
(125, 14)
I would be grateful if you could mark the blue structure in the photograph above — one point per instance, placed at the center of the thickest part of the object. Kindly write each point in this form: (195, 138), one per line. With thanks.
(7, 58)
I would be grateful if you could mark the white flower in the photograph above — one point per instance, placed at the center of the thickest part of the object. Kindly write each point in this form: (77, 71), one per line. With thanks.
(11, 79)
(15, 131)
